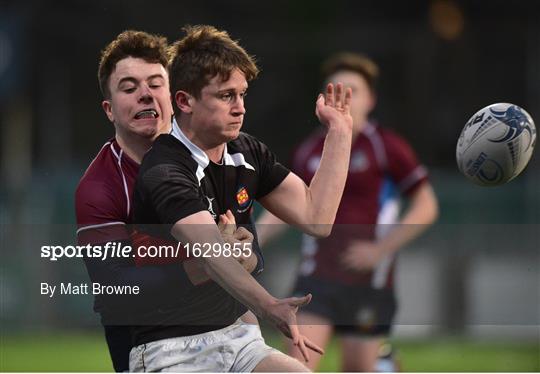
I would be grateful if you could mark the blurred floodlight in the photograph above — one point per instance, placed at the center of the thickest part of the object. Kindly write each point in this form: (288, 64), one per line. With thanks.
(446, 19)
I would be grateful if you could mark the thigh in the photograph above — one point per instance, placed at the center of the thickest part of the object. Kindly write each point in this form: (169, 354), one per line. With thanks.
(249, 318)
(280, 362)
(249, 347)
(316, 328)
(360, 354)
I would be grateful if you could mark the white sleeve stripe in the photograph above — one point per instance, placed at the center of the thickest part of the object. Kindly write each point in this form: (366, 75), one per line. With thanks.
(125, 183)
(119, 159)
(378, 146)
(100, 225)
(417, 174)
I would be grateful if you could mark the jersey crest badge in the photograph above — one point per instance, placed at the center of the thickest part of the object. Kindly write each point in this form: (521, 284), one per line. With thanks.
(244, 202)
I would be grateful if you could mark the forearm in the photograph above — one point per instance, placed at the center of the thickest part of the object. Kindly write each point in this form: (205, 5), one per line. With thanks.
(423, 212)
(225, 270)
(230, 275)
(399, 236)
(326, 187)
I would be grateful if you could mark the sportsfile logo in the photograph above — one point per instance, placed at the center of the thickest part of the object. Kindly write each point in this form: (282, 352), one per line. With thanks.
(476, 165)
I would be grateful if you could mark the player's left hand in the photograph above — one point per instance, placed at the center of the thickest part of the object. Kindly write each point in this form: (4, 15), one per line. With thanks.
(283, 314)
(362, 256)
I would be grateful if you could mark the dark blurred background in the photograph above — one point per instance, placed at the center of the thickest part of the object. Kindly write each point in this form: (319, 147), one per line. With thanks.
(441, 61)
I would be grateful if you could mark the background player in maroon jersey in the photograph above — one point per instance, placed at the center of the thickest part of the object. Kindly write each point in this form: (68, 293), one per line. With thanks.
(350, 273)
(135, 85)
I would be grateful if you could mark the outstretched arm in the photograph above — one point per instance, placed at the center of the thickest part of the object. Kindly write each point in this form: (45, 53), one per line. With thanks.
(313, 208)
(200, 228)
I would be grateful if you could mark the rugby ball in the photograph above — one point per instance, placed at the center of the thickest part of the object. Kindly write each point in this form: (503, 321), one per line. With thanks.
(496, 144)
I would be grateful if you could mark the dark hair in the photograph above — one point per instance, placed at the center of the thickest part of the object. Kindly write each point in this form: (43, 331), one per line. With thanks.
(204, 53)
(357, 63)
(139, 44)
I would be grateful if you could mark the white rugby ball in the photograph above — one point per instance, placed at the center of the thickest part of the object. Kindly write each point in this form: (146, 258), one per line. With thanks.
(496, 144)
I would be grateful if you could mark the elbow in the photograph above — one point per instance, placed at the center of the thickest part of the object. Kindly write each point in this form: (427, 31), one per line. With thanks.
(433, 211)
(319, 231)
(428, 203)
(435, 214)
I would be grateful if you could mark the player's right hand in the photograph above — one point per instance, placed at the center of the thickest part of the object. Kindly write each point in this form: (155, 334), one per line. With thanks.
(333, 108)
(282, 313)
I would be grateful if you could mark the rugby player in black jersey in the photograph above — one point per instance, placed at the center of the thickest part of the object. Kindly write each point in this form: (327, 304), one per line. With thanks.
(136, 98)
(206, 167)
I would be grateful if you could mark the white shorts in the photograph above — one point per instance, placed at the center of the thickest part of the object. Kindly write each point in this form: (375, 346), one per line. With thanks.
(235, 348)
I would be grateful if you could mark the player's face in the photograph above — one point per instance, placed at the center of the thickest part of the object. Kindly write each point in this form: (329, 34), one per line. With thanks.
(140, 101)
(219, 112)
(362, 101)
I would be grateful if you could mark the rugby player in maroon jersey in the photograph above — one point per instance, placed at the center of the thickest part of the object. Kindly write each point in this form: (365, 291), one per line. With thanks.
(134, 82)
(351, 273)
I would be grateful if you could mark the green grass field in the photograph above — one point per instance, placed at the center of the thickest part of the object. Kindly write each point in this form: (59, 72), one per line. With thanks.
(87, 352)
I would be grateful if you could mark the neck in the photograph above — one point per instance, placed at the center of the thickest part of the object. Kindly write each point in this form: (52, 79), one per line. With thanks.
(213, 151)
(134, 148)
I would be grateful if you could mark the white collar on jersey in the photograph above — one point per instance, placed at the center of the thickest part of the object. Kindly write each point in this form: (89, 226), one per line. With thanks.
(196, 153)
(236, 159)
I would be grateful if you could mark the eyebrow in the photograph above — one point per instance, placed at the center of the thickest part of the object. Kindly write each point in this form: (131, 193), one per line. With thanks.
(231, 89)
(133, 80)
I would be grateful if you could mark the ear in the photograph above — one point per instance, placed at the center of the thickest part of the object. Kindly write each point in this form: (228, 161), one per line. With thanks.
(107, 108)
(184, 101)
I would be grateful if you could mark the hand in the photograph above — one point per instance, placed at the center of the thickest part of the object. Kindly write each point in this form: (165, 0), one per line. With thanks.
(362, 256)
(231, 235)
(282, 313)
(333, 108)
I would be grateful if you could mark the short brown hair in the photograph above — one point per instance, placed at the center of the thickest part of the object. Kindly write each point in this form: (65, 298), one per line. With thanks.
(204, 53)
(355, 62)
(138, 44)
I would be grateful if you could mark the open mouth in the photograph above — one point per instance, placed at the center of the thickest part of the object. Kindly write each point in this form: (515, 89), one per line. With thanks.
(147, 113)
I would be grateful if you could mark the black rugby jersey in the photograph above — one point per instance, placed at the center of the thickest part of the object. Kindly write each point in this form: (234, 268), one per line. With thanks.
(177, 179)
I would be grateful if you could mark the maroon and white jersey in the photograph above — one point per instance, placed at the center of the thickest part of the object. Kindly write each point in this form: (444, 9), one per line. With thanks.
(103, 196)
(103, 204)
(382, 167)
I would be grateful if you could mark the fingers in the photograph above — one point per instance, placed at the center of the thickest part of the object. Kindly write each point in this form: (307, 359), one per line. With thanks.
(314, 347)
(302, 346)
(329, 99)
(230, 217)
(339, 96)
(223, 221)
(348, 99)
(319, 104)
(299, 301)
(295, 334)
(227, 223)
(243, 235)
